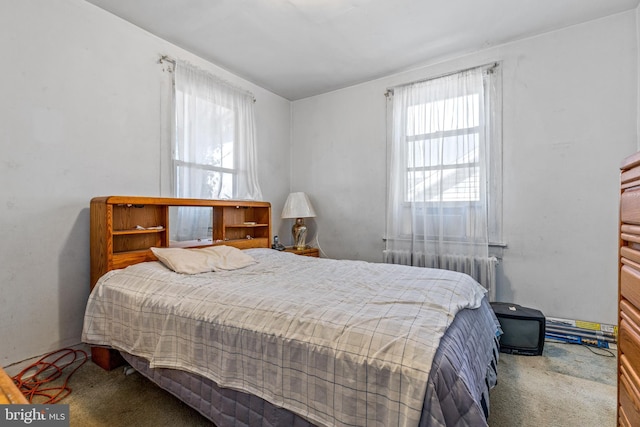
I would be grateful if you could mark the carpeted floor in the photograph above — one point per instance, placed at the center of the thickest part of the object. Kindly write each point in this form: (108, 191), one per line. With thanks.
(568, 386)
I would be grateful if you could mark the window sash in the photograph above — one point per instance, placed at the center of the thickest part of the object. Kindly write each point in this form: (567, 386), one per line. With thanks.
(442, 139)
(215, 182)
(443, 179)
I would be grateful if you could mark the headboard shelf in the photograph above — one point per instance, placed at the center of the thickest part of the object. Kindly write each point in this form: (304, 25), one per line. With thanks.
(123, 228)
(136, 231)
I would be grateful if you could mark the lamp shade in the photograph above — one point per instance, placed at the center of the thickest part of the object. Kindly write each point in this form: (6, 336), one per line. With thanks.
(298, 206)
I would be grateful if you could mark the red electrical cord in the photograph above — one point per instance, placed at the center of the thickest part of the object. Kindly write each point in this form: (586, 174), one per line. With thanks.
(46, 371)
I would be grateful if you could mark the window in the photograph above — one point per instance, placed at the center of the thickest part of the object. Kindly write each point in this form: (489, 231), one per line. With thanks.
(214, 149)
(445, 163)
(213, 153)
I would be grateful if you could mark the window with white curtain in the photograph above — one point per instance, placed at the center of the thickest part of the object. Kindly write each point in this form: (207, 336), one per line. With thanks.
(445, 183)
(213, 153)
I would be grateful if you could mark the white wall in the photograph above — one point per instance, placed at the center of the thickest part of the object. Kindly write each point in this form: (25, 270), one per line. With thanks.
(570, 108)
(80, 116)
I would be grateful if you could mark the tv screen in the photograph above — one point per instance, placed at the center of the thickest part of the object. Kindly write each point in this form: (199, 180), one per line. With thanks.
(522, 333)
(523, 329)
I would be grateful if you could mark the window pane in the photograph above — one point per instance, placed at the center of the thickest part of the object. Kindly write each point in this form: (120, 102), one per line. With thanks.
(205, 183)
(462, 185)
(444, 115)
(451, 150)
(424, 152)
(216, 135)
(226, 185)
(207, 133)
(422, 186)
(448, 185)
(460, 149)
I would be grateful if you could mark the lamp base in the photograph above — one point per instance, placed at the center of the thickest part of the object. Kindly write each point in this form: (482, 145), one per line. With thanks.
(299, 232)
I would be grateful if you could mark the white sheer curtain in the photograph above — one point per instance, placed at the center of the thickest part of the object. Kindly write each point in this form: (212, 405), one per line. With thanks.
(214, 152)
(443, 201)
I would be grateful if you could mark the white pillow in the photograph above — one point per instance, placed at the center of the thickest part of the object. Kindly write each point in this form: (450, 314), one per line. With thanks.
(228, 257)
(194, 261)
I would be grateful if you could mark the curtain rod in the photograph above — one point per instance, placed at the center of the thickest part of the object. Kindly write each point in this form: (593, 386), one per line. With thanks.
(490, 67)
(166, 58)
(172, 61)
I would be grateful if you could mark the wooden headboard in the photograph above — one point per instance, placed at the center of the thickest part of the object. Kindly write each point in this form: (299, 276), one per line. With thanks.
(123, 228)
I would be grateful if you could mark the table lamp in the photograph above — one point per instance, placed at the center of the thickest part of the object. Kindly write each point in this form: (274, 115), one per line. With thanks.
(299, 207)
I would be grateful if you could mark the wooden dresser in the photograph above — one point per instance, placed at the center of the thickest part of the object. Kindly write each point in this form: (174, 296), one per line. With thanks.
(629, 295)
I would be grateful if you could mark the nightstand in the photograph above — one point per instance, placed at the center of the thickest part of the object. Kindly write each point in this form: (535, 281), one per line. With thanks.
(314, 252)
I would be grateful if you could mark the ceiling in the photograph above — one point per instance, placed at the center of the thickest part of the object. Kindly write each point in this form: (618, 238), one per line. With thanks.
(301, 48)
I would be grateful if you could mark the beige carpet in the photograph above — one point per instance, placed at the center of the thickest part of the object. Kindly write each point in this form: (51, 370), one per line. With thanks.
(567, 386)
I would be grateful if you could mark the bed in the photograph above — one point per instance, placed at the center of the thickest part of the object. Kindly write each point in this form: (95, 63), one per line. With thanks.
(276, 339)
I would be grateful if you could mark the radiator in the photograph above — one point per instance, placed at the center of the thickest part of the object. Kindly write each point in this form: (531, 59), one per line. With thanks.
(481, 269)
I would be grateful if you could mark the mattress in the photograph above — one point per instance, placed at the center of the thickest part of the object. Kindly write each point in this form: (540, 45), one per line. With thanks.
(368, 379)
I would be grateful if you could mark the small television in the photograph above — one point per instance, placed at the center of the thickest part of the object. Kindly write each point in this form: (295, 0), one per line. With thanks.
(523, 329)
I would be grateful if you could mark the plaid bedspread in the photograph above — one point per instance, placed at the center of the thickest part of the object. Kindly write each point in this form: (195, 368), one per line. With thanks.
(341, 343)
